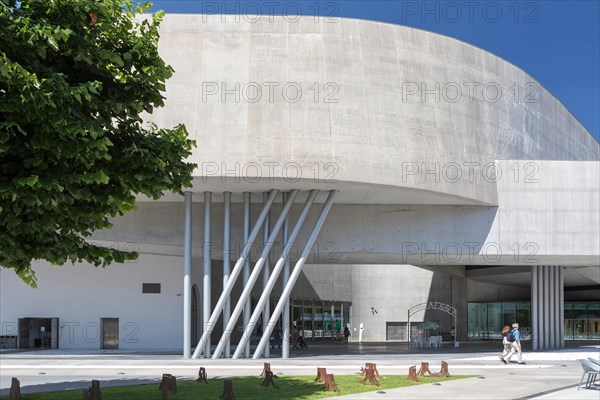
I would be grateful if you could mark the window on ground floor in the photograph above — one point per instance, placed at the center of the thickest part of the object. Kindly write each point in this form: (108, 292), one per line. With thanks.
(486, 319)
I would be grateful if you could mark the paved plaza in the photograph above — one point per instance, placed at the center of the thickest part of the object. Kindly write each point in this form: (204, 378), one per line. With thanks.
(546, 375)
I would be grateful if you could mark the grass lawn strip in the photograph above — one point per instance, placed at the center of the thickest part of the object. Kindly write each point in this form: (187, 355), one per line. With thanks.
(244, 388)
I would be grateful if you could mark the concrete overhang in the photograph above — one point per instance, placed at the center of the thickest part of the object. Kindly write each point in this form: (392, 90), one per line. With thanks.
(521, 275)
(349, 192)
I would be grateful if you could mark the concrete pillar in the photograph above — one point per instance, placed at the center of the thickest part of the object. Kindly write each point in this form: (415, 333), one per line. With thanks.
(557, 318)
(534, 306)
(226, 260)
(550, 306)
(246, 270)
(541, 307)
(561, 288)
(547, 307)
(546, 331)
(285, 344)
(206, 306)
(540, 313)
(266, 313)
(187, 277)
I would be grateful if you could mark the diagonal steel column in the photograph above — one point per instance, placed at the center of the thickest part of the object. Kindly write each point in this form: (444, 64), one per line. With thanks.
(187, 280)
(264, 341)
(226, 257)
(274, 275)
(246, 273)
(253, 276)
(234, 275)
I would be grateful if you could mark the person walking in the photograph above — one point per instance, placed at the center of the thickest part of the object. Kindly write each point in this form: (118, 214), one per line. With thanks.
(346, 334)
(515, 335)
(505, 343)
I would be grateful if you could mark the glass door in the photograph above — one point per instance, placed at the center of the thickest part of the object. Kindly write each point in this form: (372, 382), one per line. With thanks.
(307, 320)
(110, 333)
(318, 325)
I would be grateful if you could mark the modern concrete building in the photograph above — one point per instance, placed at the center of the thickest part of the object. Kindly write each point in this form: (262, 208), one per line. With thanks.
(407, 176)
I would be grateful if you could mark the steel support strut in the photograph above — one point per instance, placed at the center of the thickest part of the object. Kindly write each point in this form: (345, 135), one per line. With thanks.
(232, 279)
(294, 276)
(235, 314)
(274, 275)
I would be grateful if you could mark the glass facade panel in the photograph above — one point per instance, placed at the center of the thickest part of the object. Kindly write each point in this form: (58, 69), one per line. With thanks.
(327, 320)
(318, 320)
(524, 319)
(337, 319)
(296, 315)
(346, 321)
(485, 320)
(568, 321)
(509, 314)
(579, 321)
(307, 320)
(593, 321)
(494, 325)
(477, 320)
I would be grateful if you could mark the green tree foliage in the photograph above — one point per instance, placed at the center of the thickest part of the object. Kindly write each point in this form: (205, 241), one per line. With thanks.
(75, 77)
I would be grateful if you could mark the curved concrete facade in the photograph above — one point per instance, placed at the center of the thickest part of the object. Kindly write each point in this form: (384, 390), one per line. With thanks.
(365, 107)
(373, 111)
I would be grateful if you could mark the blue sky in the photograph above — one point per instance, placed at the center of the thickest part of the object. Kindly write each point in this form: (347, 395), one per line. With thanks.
(555, 41)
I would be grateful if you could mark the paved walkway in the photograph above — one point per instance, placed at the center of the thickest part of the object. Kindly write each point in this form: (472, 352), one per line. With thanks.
(547, 375)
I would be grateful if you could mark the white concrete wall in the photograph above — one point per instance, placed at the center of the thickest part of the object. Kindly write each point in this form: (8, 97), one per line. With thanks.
(389, 289)
(549, 213)
(555, 205)
(325, 282)
(81, 295)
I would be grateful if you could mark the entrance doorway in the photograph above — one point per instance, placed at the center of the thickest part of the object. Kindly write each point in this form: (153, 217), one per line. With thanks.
(38, 333)
(319, 320)
(110, 333)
